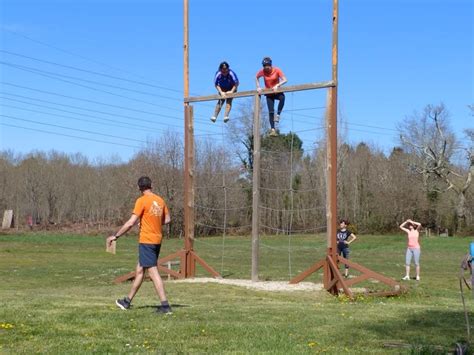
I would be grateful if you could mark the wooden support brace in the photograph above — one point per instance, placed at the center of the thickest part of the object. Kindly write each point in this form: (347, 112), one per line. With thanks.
(312, 269)
(338, 277)
(371, 274)
(205, 265)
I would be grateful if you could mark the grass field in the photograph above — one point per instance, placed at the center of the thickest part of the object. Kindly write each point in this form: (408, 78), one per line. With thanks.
(57, 296)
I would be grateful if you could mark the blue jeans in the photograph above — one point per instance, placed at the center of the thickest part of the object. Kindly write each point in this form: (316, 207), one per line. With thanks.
(345, 254)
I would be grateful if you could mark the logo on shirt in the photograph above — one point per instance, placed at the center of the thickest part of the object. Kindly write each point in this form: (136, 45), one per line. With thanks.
(156, 209)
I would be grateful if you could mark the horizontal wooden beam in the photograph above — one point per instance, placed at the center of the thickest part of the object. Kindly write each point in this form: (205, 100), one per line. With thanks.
(289, 88)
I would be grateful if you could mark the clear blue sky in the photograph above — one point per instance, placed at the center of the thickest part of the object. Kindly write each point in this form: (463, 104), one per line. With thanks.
(395, 56)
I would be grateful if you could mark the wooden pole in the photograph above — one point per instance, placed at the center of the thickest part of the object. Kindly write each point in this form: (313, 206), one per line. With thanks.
(331, 158)
(189, 268)
(255, 187)
(186, 48)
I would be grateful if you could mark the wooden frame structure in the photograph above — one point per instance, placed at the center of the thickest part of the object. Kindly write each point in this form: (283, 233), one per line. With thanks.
(332, 279)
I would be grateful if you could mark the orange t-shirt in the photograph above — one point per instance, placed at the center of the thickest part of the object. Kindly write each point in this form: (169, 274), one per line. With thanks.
(272, 78)
(152, 211)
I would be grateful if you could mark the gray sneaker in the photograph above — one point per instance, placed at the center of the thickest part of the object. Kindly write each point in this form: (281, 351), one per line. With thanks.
(277, 118)
(164, 310)
(123, 304)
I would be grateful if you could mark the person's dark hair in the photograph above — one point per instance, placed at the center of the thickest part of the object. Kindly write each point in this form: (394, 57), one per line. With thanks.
(144, 183)
(267, 61)
(224, 65)
(345, 221)
(412, 225)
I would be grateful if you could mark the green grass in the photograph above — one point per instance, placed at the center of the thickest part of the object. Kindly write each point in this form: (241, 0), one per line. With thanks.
(57, 296)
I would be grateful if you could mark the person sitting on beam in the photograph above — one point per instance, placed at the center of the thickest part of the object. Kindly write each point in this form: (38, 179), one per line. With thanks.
(226, 82)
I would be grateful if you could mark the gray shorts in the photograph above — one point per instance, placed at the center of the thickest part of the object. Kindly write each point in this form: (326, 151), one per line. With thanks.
(415, 253)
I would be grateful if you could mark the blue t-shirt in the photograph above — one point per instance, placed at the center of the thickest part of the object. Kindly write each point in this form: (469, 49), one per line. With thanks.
(226, 82)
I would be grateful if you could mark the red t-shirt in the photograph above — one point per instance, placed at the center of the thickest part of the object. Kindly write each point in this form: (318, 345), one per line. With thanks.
(272, 78)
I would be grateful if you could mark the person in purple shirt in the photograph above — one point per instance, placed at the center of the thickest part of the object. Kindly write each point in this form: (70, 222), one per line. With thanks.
(226, 82)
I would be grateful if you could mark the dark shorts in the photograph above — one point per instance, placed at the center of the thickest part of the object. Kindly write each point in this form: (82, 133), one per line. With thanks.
(148, 254)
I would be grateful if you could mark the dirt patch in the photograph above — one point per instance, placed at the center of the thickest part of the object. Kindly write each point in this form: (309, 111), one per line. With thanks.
(276, 286)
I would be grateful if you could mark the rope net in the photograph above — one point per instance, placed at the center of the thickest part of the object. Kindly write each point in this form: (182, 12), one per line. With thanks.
(292, 193)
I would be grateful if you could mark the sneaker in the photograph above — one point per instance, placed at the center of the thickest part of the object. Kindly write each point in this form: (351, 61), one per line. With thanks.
(164, 310)
(213, 119)
(123, 304)
(277, 118)
(273, 133)
(418, 278)
(226, 119)
(406, 278)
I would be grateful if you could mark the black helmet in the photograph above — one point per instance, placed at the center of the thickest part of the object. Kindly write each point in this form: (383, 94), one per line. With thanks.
(267, 61)
(223, 65)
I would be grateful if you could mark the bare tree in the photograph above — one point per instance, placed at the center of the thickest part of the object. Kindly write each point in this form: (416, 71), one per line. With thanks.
(429, 138)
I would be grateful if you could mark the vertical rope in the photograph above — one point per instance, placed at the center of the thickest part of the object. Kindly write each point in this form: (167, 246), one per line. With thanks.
(225, 201)
(290, 224)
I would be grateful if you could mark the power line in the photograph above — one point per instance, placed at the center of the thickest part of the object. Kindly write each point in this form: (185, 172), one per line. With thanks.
(90, 60)
(46, 72)
(71, 129)
(89, 110)
(90, 71)
(378, 133)
(306, 109)
(128, 126)
(369, 126)
(57, 77)
(68, 135)
(90, 101)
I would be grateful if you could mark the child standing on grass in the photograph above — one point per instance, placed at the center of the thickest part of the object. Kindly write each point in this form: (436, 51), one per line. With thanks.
(413, 249)
(152, 212)
(344, 238)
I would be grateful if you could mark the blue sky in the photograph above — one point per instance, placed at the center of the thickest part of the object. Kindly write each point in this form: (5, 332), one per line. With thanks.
(394, 57)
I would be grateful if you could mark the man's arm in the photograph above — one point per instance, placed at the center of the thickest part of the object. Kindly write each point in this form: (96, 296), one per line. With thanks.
(124, 229)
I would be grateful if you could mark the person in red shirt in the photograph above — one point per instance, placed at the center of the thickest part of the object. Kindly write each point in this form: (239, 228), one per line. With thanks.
(152, 212)
(273, 78)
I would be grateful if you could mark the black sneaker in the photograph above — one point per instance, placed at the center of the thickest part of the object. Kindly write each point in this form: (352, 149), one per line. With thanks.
(123, 304)
(164, 310)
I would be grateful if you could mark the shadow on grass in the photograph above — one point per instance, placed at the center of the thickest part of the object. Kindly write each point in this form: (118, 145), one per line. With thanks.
(157, 307)
(426, 332)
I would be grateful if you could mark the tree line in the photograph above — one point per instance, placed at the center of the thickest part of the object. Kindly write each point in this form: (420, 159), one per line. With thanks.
(427, 178)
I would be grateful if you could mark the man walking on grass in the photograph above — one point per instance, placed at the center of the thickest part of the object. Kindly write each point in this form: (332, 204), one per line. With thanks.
(152, 212)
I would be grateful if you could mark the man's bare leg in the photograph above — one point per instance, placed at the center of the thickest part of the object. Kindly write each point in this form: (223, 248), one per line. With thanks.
(137, 282)
(160, 290)
(157, 282)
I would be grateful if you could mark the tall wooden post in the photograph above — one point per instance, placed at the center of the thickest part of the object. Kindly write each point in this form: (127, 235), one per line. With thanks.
(189, 262)
(331, 157)
(256, 187)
